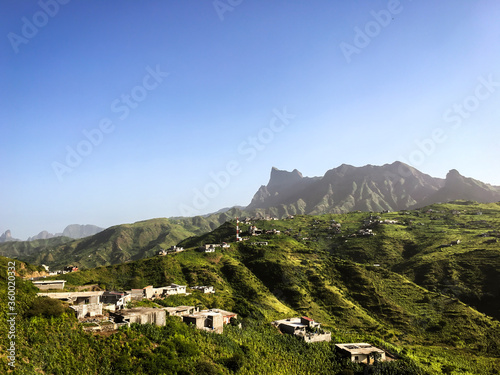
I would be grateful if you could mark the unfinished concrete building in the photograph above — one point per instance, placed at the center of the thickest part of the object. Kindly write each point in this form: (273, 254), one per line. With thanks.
(206, 320)
(304, 327)
(141, 315)
(83, 303)
(49, 284)
(181, 310)
(361, 352)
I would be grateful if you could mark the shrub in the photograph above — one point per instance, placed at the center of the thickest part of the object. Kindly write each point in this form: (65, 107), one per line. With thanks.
(47, 307)
(206, 368)
(235, 362)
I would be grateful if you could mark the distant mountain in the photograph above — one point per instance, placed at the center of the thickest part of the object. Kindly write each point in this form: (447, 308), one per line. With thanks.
(7, 237)
(224, 210)
(74, 231)
(114, 245)
(80, 231)
(392, 187)
(44, 235)
(457, 187)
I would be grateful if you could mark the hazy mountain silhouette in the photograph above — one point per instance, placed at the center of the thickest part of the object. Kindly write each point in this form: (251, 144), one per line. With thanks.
(346, 188)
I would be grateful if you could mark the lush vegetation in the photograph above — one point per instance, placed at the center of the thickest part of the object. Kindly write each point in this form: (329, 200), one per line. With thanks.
(14, 249)
(434, 306)
(115, 245)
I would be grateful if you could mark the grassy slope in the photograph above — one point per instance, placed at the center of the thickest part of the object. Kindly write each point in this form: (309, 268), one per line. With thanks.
(25, 248)
(413, 303)
(118, 244)
(307, 273)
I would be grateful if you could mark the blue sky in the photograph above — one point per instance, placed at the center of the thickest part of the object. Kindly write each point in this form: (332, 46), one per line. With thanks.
(115, 112)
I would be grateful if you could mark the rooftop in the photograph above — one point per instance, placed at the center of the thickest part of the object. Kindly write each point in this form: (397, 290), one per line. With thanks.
(359, 348)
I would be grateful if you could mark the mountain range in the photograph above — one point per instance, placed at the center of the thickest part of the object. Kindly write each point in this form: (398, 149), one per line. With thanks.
(390, 187)
(74, 231)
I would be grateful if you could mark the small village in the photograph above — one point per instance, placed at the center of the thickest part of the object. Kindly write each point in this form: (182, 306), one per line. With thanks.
(107, 311)
(104, 312)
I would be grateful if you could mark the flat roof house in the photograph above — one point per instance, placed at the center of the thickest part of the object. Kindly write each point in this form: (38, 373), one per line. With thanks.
(361, 352)
(204, 289)
(226, 315)
(171, 290)
(181, 310)
(49, 284)
(304, 327)
(212, 320)
(83, 303)
(115, 300)
(141, 315)
(208, 321)
(208, 248)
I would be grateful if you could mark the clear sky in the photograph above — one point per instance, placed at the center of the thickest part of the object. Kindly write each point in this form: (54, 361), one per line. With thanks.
(119, 111)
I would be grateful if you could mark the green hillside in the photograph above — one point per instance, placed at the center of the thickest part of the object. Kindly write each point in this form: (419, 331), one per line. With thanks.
(117, 244)
(15, 249)
(434, 306)
(379, 288)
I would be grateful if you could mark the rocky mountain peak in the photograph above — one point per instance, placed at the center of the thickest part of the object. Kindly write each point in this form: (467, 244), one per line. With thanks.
(453, 176)
(346, 188)
(280, 179)
(7, 236)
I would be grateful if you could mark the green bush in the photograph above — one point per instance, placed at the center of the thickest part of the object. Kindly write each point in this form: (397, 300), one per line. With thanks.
(47, 307)
(206, 368)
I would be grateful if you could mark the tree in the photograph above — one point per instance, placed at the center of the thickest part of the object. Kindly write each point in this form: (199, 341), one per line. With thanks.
(47, 307)
(376, 356)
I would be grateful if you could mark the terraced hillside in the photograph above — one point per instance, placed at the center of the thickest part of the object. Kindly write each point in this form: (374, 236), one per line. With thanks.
(396, 285)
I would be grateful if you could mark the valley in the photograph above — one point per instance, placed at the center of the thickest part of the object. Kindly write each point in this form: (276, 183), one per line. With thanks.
(419, 283)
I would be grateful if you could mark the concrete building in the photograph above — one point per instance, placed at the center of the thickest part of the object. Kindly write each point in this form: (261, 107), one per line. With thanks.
(175, 249)
(170, 290)
(226, 315)
(212, 320)
(83, 303)
(115, 300)
(181, 310)
(206, 320)
(141, 315)
(149, 292)
(304, 327)
(208, 248)
(49, 284)
(171, 250)
(83, 310)
(136, 294)
(204, 289)
(361, 352)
